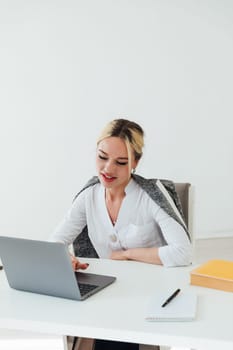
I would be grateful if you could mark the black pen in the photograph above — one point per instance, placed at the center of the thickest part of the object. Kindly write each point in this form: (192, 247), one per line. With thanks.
(171, 297)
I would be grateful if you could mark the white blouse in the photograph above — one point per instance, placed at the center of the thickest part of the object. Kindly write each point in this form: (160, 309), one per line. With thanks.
(141, 223)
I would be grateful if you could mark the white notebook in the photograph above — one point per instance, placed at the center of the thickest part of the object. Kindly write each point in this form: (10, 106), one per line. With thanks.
(181, 308)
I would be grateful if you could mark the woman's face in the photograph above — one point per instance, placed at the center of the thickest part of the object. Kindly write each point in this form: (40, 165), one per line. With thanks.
(112, 163)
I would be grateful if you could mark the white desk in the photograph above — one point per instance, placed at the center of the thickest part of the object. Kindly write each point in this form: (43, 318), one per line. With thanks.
(24, 340)
(117, 312)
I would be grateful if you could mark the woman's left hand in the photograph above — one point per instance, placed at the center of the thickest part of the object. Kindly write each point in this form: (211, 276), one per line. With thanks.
(147, 255)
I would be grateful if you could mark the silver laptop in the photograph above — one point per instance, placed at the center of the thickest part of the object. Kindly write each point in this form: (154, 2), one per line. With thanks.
(45, 268)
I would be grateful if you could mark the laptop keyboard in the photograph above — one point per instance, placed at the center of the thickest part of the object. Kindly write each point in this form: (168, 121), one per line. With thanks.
(86, 288)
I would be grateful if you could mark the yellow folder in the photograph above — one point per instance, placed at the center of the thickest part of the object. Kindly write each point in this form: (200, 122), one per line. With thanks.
(217, 274)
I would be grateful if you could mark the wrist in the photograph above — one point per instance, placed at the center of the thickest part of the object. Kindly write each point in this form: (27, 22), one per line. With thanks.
(127, 254)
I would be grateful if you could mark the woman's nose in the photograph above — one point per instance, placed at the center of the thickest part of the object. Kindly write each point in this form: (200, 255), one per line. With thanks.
(109, 166)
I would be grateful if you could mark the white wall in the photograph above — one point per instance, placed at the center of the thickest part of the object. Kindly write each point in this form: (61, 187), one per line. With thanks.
(68, 67)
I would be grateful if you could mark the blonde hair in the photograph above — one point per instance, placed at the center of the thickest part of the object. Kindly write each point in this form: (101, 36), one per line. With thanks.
(127, 130)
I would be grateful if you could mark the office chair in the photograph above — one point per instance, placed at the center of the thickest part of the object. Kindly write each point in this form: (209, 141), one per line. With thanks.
(82, 248)
(183, 191)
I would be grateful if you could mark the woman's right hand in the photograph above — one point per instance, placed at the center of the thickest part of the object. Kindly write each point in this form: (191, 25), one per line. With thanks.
(76, 264)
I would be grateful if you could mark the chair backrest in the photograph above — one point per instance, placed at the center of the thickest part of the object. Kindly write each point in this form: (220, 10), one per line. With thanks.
(182, 189)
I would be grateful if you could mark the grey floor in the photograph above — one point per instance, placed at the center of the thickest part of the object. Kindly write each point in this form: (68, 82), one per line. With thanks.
(213, 248)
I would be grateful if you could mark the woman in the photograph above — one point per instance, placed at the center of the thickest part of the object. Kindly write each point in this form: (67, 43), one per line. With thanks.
(120, 215)
(125, 216)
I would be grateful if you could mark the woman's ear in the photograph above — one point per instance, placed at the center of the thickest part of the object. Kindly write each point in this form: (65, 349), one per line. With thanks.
(134, 165)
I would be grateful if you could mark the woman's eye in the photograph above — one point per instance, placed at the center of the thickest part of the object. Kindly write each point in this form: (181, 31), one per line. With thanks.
(117, 161)
(122, 163)
(102, 157)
